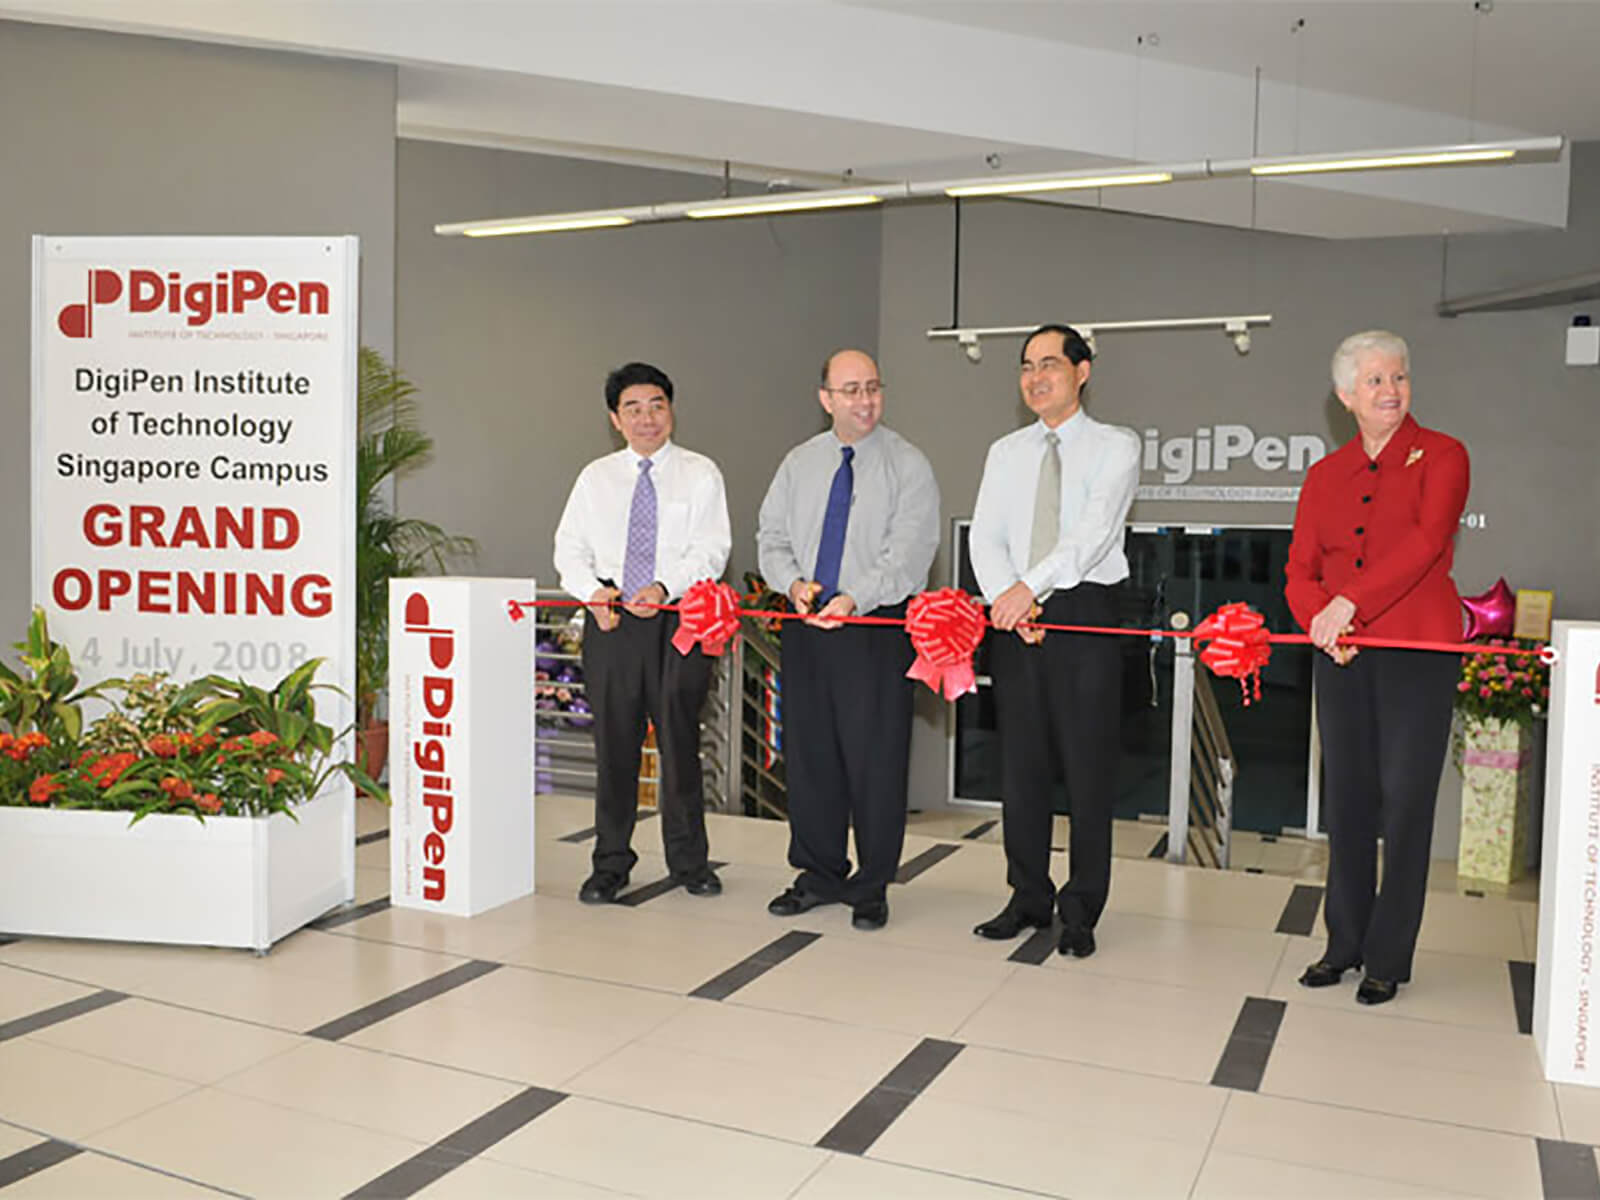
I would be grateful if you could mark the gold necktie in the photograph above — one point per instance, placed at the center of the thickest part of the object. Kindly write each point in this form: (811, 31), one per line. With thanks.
(1047, 503)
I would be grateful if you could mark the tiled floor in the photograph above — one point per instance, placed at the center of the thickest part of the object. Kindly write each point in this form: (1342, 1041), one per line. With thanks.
(699, 1047)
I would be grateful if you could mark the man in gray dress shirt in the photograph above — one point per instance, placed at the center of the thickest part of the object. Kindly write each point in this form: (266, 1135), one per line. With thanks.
(849, 527)
(1046, 545)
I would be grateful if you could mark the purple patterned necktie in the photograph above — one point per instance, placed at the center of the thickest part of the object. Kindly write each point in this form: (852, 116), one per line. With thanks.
(639, 562)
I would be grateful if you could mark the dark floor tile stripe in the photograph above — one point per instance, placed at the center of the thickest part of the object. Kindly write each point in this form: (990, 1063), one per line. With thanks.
(1567, 1170)
(1036, 948)
(410, 997)
(1300, 910)
(7, 939)
(44, 1018)
(472, 1139)
(877, 1110)
(660, 887)
(932, 856)
(583, 835)
(1244, 1058)
(377, 835)
(19, 1166)
(978, 831)
(344, 916)
(758, 964)
(1159, 850)
(1522, 993)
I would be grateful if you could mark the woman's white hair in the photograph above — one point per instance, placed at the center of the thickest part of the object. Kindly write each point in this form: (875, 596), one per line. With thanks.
(1357, 345)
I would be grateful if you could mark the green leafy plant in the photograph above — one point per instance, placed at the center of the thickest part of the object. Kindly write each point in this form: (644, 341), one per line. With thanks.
(390, 444)
(214, 747)
(45, 695)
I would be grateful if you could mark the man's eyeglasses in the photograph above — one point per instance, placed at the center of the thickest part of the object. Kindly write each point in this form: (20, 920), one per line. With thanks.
(854, 391)
(1049, 363)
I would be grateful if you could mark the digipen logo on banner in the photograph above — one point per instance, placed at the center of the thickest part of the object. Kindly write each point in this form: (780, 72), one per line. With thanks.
(233, 292)
(430, 752)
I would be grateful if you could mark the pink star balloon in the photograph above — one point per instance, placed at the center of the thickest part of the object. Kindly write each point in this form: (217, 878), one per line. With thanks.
(1492, 614)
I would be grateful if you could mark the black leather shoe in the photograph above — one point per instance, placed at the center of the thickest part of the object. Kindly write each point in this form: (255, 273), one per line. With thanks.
(870, 914)
(602, 887)
(1323, 974)
(793, 901)
(1076, 940)
(1376, 991)
(1009, 922)
(703, 882)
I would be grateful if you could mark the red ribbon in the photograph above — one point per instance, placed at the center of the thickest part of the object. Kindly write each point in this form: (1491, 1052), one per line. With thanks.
(1238, 645)
(945, 627)
(707, 614)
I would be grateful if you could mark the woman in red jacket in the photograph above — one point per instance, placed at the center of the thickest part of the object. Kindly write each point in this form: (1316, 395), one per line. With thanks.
(1373, 543)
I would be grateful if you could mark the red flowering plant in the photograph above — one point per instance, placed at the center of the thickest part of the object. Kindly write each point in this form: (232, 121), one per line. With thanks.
(214, 747)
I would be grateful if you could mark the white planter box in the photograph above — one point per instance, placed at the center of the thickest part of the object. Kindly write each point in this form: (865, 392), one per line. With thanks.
(233, 881)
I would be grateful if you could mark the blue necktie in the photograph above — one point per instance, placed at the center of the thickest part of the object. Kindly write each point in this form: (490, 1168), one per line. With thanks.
(831, 548)
(639, 560)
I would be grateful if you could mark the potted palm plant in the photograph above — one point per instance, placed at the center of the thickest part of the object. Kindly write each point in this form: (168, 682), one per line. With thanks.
(389, 444)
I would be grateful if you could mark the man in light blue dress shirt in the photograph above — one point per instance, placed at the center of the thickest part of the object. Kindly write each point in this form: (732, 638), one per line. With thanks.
(849, 526)
(1047, 547)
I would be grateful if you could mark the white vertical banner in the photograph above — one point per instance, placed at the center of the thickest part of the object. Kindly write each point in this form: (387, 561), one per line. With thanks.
(194, 430)
(1566, 990)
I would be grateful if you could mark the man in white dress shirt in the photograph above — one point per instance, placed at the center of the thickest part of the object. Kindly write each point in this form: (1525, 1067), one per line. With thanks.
(640, 527)
(1046, 545)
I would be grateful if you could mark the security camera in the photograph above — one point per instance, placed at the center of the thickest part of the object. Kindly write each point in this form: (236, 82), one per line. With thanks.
(971, 346)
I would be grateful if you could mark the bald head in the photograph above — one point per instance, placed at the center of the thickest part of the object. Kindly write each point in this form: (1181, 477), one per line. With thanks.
(852, 394)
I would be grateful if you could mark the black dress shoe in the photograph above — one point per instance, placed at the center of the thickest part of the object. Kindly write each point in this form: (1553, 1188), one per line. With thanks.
(1076, 940)
(870, 914)
(1009, 922)
(1376, 991)
(703, 882)
(1323, 974)
(602, 887)
(793, 901)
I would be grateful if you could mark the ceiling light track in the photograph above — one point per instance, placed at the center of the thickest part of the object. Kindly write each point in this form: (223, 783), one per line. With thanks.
(1526, 150)
(1236, 328)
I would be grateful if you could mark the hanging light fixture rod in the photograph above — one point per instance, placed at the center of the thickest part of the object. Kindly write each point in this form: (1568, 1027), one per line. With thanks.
(1526, 150)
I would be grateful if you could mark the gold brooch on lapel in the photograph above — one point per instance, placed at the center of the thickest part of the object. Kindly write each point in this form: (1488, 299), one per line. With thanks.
(1414, 456)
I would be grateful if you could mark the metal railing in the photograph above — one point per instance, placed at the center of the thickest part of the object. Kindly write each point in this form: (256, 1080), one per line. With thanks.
(1203, 770)
(758, 727)
(565, 753)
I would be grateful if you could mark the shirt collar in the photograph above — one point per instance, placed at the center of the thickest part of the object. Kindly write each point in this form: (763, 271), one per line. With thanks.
(656, 459)
(867, 443)
(1067, 430)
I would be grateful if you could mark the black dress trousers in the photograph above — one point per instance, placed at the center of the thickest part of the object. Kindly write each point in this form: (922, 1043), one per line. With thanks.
(631, 673)
(1385, 724)
(1059, 709)
(846, 741)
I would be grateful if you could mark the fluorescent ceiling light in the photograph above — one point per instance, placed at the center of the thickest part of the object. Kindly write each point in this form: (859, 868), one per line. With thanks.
(1527, 150)
(1060, 183)
(788, 202)
(1445, 159)
(552, 225)
(1543, 149)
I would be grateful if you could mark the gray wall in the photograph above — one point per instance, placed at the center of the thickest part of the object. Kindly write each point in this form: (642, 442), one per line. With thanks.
(108, 134)
(509, 339)
(1496, 381)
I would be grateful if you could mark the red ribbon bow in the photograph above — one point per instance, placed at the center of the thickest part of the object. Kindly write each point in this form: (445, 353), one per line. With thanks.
(945, 627)
(708, 614)
(1238, 647)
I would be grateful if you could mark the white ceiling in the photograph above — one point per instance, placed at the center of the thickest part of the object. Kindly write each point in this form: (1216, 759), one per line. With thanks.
(810, 90)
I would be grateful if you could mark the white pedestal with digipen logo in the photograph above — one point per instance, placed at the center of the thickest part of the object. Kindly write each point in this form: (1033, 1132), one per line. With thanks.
(461, 729)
